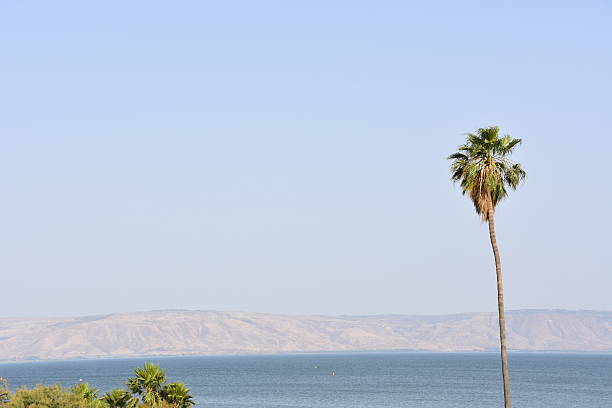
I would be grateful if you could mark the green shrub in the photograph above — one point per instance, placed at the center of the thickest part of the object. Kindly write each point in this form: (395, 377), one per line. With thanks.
(147, 389)
(4, 393)
(51, 396)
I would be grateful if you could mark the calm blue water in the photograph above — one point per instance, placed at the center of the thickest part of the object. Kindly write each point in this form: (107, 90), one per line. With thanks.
(367, 380)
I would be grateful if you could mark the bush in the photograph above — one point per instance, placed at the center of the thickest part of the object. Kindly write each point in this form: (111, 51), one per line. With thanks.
(148, 389)
(52, 396)
(4, 393)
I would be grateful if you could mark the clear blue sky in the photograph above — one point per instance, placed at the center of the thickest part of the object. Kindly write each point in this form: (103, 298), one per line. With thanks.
(289, 157)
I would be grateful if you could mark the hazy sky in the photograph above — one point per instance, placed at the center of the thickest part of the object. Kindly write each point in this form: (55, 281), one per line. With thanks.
(289, 156)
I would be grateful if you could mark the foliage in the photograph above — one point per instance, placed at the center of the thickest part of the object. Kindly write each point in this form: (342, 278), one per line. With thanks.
(120, 399)
(147, 389)
(4, 394)
(85, 391)
(483, 170)
(177, 394)
(52, 396)
(148, 384)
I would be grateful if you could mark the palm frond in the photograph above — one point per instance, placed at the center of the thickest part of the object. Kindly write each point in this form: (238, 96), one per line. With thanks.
(483, 171)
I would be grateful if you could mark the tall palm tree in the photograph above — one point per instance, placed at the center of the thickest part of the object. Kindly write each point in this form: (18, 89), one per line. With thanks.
(484, 172)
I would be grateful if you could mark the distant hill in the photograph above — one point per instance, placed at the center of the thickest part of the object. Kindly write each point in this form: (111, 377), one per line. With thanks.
(210, 332)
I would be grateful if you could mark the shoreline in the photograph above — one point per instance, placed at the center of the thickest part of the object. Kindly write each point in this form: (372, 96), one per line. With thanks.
(305, 353)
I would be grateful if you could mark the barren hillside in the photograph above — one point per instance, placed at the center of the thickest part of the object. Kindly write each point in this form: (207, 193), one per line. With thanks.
(211, 332)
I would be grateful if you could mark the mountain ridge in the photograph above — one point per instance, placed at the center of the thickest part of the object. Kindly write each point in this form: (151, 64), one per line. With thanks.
(199, 332)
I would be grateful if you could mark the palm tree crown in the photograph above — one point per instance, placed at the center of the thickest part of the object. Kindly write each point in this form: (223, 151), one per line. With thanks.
(148, 383)
(482, 168)
(178, 394)
(119, 399)
(84, 390)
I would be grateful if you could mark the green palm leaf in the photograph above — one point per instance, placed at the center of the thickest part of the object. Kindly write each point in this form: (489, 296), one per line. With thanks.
(84, 390)
(117, 398)
(483, 170)
(178, 394)
(147, 383)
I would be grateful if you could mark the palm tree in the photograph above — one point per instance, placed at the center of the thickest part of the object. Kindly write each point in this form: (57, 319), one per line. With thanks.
(148, 384)
(119, 399)
(178, 395)
(84, 390)
(484, 172)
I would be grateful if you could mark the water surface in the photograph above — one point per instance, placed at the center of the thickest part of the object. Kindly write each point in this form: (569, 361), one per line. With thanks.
(361, 380)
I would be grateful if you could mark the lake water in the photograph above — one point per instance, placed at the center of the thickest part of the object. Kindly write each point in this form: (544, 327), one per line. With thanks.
(361, 380)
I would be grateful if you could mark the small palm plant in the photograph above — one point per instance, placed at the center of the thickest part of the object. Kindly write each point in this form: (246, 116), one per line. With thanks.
(85, 391)
(178, 395)
(484, 172)
(119, 399)
(148, 383)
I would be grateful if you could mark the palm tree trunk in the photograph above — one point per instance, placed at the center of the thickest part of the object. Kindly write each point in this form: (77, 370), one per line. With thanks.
(500, 309)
